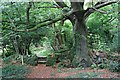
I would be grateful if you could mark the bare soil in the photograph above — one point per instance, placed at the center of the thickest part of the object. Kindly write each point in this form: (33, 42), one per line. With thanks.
(43, 71)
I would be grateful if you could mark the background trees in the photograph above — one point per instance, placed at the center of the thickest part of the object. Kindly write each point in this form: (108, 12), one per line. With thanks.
(65, 27)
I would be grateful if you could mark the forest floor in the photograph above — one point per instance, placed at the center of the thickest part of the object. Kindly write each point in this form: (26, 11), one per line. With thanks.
(43, 71)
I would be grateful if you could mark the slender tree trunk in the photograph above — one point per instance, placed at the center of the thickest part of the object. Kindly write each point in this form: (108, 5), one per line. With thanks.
(15, 43)
(27, 42)
(3, 52)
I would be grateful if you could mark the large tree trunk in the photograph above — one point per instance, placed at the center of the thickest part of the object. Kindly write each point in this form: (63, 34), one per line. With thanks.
(80, 41)
(80, 35)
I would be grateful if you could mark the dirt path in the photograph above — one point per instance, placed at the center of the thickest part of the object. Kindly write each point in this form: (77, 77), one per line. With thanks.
(41, 71)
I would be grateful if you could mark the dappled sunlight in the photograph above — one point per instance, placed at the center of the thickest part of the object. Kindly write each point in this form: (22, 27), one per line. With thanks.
(44, 50)
(60, 39)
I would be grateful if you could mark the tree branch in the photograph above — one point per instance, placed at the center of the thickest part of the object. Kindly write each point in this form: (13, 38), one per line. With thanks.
(91, 10)
(60, 3)
(25, 23)
(49, 7)
(105, 4)
(103, 12)
(45, 23)
(27, 11)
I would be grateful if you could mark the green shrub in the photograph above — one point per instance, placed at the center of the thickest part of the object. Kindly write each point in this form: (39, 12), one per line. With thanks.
(115, 46)
(51, 60)
(14, 71)
(31, 60)
(7, 60)
(114, 66)
(102, 65)
(75, 63)
(93, 66)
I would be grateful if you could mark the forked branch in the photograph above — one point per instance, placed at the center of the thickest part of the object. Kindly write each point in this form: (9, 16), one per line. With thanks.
(91, 10)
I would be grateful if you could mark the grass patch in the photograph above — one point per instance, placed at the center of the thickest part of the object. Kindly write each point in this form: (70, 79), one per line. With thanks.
(86, 75)
(72, 70)
(53, 74)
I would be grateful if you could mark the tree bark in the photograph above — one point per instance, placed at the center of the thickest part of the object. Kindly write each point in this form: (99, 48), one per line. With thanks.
(80, 41)
(80, 36)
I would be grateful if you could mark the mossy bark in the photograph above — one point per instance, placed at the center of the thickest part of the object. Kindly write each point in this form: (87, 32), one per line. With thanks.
(80, 43)
(80, 36)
